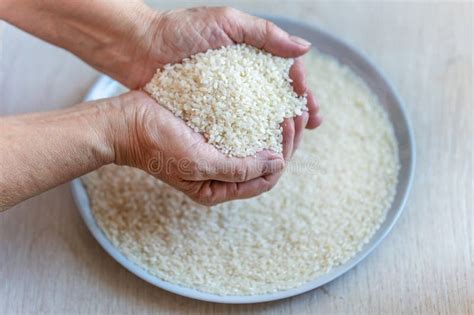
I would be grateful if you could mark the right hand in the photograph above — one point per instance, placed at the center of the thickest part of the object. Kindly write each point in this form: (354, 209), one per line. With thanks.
(156, 141)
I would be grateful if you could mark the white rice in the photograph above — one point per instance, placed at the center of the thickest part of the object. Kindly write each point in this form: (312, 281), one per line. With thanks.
(236, 96)
(328, 204)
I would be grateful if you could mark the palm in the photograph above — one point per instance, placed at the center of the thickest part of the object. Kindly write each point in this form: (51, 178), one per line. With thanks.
(165, 137)
(165, 147)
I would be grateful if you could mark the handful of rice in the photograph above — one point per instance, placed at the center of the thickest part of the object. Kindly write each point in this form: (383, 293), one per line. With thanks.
(236, 96)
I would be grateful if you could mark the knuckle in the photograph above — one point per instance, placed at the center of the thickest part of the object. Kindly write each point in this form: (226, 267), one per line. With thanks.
(269, 26)
(234, 191)
(241, 174)
(205, 197)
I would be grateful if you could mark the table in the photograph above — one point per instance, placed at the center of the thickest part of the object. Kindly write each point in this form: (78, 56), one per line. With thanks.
(49, 263)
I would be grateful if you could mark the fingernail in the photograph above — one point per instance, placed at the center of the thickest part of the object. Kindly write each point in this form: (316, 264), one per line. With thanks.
(300, 41)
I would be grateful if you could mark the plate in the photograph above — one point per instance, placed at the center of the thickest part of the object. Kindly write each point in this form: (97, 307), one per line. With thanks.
(361, 65)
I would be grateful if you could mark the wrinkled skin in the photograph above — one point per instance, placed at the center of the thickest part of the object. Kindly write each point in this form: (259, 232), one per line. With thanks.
(128, 41)
(167, 148)
(155, 132)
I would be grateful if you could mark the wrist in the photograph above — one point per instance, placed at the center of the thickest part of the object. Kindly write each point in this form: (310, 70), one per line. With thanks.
(120, 38)
(124, 117)
(120, 43)
(113, 36)
(110, 124)
(90, 127)
(137, 47)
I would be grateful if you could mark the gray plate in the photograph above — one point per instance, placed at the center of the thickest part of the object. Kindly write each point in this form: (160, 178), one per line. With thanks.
(389, 99)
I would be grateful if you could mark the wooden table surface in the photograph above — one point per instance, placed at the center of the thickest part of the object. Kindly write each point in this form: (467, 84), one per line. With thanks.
(49, 262)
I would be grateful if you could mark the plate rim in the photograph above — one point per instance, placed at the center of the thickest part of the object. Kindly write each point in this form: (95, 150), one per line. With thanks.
(82, 202)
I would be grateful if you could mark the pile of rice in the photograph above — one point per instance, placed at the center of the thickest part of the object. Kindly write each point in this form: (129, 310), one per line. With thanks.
(236, 96)
(330, 201)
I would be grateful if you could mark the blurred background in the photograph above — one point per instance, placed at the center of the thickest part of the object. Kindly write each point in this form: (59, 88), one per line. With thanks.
(426, 265)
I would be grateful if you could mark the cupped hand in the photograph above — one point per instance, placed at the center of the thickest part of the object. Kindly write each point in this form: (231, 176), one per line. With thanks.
(161, 144)
(171, 36)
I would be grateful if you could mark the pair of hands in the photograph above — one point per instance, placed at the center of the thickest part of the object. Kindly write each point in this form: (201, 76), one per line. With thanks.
(128, 41)
(164, 146)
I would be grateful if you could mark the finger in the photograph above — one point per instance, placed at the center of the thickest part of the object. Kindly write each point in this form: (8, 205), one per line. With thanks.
(297, 74)
(265, 35)
(288, 137)
(213, 192)
(232, 169)
(300, 123)
(314, 118)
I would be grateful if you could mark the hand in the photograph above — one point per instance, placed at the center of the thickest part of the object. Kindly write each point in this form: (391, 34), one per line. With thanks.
(156, 141)
(178, 34)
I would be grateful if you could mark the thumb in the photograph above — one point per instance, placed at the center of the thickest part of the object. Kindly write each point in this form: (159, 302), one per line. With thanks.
(266, 35)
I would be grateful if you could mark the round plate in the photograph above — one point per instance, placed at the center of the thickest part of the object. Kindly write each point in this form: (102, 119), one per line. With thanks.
(360, 64)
